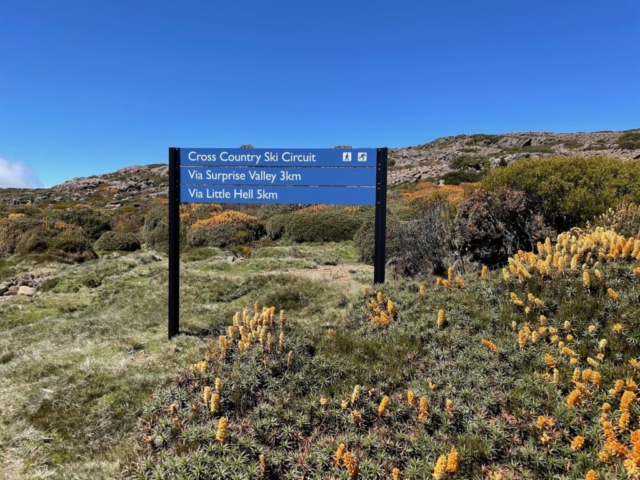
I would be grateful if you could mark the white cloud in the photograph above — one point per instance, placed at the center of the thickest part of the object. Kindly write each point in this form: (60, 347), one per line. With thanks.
(17, 175)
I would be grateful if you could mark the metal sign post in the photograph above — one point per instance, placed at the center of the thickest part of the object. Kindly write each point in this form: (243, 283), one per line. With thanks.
(273, 176)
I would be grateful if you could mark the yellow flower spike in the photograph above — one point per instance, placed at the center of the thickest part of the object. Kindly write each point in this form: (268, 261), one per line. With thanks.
(339, 454)
(206, 395)
(613, 294)
(570, 338)
(289, 358)
(623, 424)
(600, 357)
(283, 320)
(218, 385)
(356, 393)
(490, 345)
(586, 280)
(440, 468)
(352, 466)
(365, 291)
(592, 475)
(522, 339)
(232, 332)
(631, 385)
(573, 361)
(550, 361)
(460, 283)
(344, 404)
(506, 276)
(449, 407)
(395, 474)
(423, 290)
(543, 320)
(323, 401)
(391, 308)
(556, 376)
(215, 403)
(380, 297)
(567, 325)
(222, 429)
(450, 274)
(535, 337)
(452, 460)
(411, 399)
(263, 467)
(424, 409)
(432, 386)
(438, 281)
(356, 417)
(446, 284)
(617, 328)
(634, 364)
(598, 275)
(577, 443)
(382, 408)
(485, 271)
(440, 321)
(574, 399)
(281, 341)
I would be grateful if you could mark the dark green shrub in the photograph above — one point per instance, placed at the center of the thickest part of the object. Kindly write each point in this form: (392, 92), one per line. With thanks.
(118, 241)
(270, 210)
(491, 228)
(11, 230)
(323, 224)
(155, 232)
(569, 191)
(275, 226)
(93, 222)
(462, 176)
(36, 240)
(225, 229)
(629, 140)
(364, 240)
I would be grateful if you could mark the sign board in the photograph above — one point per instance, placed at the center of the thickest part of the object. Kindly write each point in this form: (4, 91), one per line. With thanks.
(273, 176)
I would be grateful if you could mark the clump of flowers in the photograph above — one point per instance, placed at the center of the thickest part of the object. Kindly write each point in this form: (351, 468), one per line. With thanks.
(440, 468)
(452, 461)
(424, 409)
(490, 345)
(440, 321)
(222, 429)
(384, 403)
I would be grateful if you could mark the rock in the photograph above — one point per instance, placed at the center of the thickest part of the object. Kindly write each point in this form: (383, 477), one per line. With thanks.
(11, 291)
(3, 290)
(27, 291)
(113, 205)
(229, 259)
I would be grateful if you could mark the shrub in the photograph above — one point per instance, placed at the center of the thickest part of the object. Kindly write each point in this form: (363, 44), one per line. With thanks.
(36, 240)
(323, 223)
(71, 244)
(570, 191)
(155, 232)
(12, 229)
(629, 140)
(492, 227)
(462, 176)
(364, 239)
(625, 220)
(224, 229)
(275, 226)
(92, 222)
(122, 241)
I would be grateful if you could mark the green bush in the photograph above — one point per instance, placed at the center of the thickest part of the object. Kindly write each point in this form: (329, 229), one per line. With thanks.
(322, 224)
(225, 229)
(118, 241)
(275, 226)
(36, 240)
(155, 232)
(364, 239)
(466, 176)
(11, 231)
(570, 191)
(629, 140)
(93, 222)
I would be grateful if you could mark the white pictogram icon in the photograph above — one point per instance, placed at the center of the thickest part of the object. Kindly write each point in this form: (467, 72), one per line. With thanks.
(346, 156)
(362, 156)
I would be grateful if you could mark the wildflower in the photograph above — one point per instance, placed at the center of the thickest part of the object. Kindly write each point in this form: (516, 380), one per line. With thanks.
(222, 429)
(631, 385)
(626, 402)
(606, 407)
(460, 283)
(432, 386)
(281, 341)
(218, 384)
(173, 408)
(506, 276)
(543, 331)
(490, 345)
(617, 328)
(380, 297)
(324, 401)
(602, 344)
(411, 399)
(440, 468)
(543, 320)
(485, 271)
(356, 417)
(545, 438)
(452, 460)
(339, 454)
(577, 443)
(554, 338)
(591, 475)
(612, 294)
(438, 281)
(586, 280)
(391, 308)
(634, 363)
(527, 310)
(604, 457)
(535, 337)
(514, 325)
(383, 405)
(592, 362)
(624, 421)
(570, 338)
(224, 344)
(592, 328)
(450, 274)
(556, 375)
(395, 474)
(352, 466)
(632, 468)
(344, 404)
(289, 358)
(215, 403)
(550, 361)
(440, 321)
(424, 409)
(600, 357)
(356, 393)
(598, 275)
(543, 422)
(574, 399)
(365, 290)
(206, 395)
(573, 361)
(522, 339)
(449, 407)
(263, 468)
(423, 289)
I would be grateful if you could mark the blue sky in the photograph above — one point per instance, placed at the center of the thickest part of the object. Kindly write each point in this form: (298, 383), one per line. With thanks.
(89, 87)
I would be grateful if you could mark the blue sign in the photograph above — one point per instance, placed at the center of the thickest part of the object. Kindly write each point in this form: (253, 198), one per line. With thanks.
(278, 157)
(277, 176)
(266, 194)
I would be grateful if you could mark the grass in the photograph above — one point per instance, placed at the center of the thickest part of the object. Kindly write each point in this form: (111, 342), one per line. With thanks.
(79, 361)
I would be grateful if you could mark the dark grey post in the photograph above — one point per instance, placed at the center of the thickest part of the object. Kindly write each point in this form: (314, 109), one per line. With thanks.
(174, 242)
(381, 216)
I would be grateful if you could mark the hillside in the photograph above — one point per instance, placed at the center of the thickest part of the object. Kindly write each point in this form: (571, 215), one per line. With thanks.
(471, 155)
